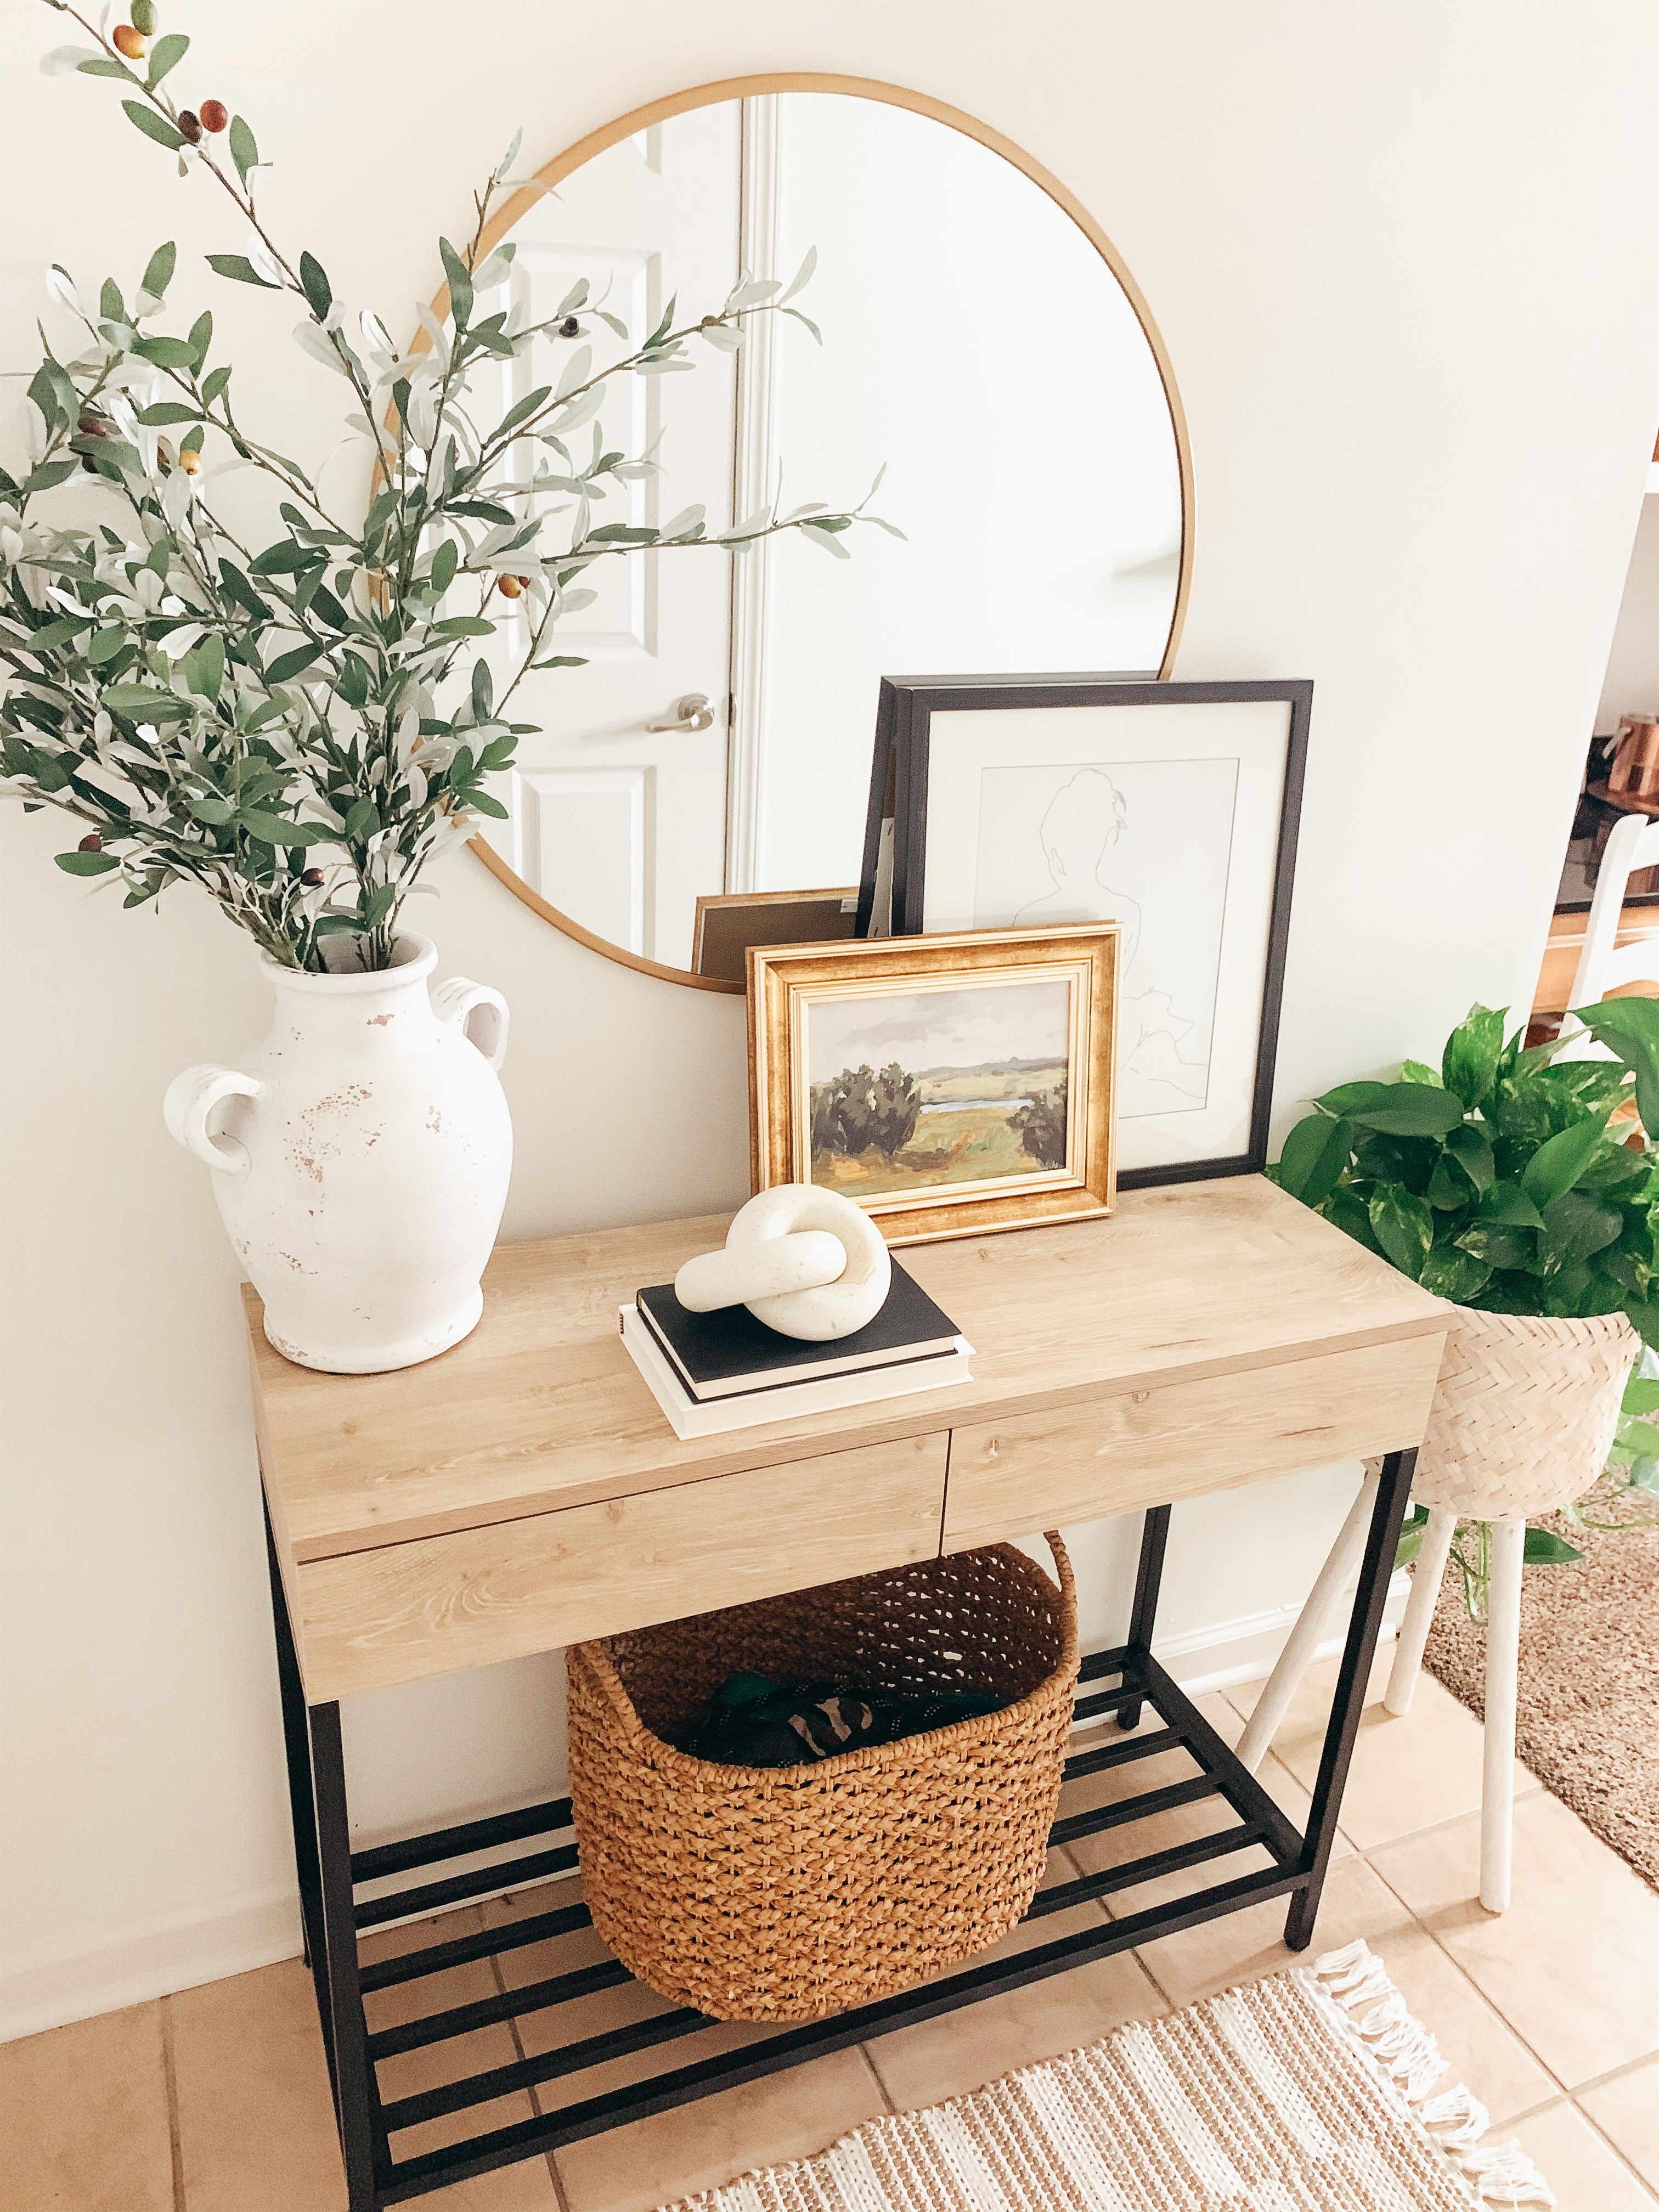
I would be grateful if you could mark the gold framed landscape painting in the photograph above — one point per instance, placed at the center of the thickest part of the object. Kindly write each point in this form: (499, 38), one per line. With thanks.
(949, 1084)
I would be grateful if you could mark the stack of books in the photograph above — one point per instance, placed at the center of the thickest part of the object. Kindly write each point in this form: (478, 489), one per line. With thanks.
(713, 1371)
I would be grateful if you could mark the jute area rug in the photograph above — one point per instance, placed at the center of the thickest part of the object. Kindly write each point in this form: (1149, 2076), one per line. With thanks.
(1588, 1717)
(1310, 2092)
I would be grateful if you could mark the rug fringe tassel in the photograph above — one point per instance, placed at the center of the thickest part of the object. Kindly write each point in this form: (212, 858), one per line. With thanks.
(1456, 2118)
(1356, 1982)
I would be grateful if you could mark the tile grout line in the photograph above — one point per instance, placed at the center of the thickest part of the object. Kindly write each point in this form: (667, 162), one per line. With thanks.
(1106, 1913)
(549, 2158)
(170, 2074)
(1447, 1954)
(1140, 1960)
(1520, 2119)
(870, 2068)
(1435, 1827)
(1603, 2137)
(1614, 2073)
(1571, 2104)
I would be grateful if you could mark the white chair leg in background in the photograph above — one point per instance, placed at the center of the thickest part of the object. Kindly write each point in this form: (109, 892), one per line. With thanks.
(1509, 1538)
(1427, 1576)
(1309, 1633)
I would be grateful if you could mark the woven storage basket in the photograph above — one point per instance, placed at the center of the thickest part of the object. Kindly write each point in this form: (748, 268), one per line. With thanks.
(790, 1892)
(1523, 1413)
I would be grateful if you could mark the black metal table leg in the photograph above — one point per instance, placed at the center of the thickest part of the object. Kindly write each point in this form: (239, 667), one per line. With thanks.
(303, 1804)
(1380, 1543)
(322, 1857)
(355, 2094)
(1154, 1540)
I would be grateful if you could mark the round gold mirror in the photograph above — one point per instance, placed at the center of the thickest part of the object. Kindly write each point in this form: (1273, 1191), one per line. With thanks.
(966, 327)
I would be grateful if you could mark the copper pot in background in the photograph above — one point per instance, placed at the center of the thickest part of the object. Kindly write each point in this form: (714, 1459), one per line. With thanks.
(1642, 881)
(1636, 759)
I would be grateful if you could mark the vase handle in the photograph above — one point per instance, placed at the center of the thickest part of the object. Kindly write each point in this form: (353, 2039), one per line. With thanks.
(191, 1098)
(458, 999)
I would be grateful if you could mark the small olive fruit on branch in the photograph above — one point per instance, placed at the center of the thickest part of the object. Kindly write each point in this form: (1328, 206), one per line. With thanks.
(299, 726)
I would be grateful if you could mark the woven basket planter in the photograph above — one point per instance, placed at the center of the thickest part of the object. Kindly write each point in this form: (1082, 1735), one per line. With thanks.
(791, 1893)
(1523, 1414)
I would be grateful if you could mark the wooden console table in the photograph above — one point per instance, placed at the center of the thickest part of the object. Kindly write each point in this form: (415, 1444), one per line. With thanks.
(523, 1492)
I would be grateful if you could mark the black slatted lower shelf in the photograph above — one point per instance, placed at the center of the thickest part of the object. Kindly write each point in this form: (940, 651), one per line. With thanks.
(1133, 1679)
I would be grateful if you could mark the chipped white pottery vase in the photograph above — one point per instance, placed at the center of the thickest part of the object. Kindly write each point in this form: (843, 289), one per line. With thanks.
(361, 1153)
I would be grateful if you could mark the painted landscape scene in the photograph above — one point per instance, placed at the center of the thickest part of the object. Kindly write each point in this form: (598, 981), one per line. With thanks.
(913, 1089)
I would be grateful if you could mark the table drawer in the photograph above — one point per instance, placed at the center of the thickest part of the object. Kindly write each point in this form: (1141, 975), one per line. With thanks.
(366, 1619)
(1117, 1453)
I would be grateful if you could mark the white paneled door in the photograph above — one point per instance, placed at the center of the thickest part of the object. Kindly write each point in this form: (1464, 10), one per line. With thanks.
(619, 824)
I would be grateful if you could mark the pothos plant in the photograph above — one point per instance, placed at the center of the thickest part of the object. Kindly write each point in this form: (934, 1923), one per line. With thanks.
(1511, 1181)
(299, 726)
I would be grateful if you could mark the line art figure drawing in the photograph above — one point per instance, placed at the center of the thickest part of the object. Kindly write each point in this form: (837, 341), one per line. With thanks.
(1145, 844)
(1084, 820)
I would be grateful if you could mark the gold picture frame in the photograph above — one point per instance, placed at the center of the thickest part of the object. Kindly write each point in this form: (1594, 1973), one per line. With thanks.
(1004, 1042)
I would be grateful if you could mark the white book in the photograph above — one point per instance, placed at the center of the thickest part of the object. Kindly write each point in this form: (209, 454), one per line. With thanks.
(687, 1417)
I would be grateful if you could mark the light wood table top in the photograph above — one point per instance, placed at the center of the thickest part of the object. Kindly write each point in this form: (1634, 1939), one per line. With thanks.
(541, 1410)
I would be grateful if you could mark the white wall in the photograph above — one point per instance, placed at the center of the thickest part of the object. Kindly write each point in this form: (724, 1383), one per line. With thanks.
(1630, 686)
(1380, 245)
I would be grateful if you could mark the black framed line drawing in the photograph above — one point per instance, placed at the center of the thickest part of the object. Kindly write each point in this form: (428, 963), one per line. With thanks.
(1173, 808)
(894, 701)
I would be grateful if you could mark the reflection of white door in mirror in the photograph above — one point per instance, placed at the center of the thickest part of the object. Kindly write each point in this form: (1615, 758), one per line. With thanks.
(979, 340)
(618, 825)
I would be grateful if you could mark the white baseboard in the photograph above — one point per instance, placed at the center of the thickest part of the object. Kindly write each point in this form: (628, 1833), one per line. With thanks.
(182, 1950)
(1227, 1652)
(176, 1951)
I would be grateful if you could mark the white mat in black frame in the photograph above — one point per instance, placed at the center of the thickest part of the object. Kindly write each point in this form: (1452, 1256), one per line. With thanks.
(1173, 807)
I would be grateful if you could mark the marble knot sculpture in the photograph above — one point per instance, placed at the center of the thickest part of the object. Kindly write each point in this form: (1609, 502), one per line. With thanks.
(808, 1263)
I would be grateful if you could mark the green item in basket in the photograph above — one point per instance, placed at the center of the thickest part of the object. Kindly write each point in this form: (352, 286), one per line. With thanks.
(752, 1720)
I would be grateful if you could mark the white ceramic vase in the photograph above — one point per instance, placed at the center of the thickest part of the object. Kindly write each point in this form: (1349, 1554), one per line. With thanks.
(360, 1154)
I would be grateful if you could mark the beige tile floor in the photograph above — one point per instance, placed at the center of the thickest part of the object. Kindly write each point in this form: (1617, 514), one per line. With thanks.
(216, 2100)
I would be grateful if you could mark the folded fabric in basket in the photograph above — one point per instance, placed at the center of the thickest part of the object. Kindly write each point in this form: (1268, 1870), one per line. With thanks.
(752, 1720)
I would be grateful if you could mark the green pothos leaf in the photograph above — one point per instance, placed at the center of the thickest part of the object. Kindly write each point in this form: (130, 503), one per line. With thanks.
(1403, 1225)
(1543, 1548)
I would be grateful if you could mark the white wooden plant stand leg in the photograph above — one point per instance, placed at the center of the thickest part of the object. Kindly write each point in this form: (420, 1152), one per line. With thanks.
(1304, 1639)
(1503, 1663)
(1428, 1575)
(1509, 1538)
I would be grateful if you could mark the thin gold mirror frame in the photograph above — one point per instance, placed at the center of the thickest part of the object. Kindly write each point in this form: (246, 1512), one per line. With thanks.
(920, 103)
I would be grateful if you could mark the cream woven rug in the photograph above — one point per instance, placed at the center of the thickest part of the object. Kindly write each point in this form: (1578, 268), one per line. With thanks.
(1310, 2092)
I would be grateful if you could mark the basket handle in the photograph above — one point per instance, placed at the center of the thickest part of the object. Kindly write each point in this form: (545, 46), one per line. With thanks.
(1068, 1579)
(1063, 1561)
(608, 1682)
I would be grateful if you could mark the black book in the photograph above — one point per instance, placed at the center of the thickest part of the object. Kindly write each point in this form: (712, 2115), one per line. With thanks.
(717, 1355)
